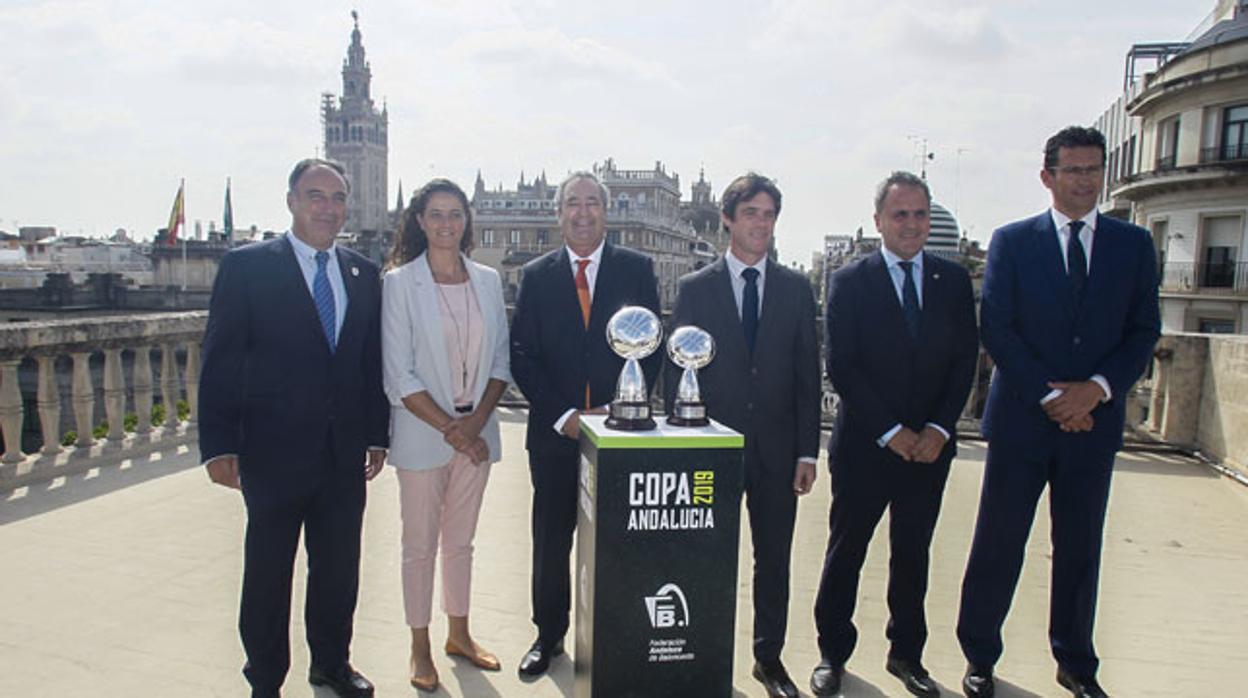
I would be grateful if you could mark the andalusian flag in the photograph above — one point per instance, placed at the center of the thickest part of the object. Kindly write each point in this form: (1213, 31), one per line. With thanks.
(176, 216)
(228, 218)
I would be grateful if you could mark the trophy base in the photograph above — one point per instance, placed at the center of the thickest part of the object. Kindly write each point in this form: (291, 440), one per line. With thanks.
(630, 416)
(688, 414)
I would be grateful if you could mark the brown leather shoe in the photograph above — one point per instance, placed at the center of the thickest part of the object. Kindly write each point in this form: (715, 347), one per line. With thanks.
(481, 659)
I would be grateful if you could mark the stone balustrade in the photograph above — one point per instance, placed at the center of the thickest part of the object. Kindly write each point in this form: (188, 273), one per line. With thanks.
(1199, 395)
(79, 339)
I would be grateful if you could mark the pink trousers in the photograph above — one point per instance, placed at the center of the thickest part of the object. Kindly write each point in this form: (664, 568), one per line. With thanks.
(439, 503)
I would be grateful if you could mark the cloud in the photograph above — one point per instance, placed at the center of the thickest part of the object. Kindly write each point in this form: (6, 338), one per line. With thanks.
(550, 54)
(941, 30)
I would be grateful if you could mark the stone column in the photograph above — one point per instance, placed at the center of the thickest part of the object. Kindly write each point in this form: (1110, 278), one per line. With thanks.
(114, 395)
(191, 376)
(49, 402)
(83, 397)
(1161, 384)
(142, 380)
(169, 383)
(11, 412)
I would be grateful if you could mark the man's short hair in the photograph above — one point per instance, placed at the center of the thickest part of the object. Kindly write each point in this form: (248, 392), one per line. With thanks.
(744, 188)
(1072, 137)
(581, 174)
(308, 163)
(900, 178)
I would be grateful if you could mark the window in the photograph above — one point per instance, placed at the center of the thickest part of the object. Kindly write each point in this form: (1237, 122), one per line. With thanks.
(515, 236)
(1221, 243)
(1235, 133)
(487, 237)
(542, 236)
(1216, 326)
(1167, 143)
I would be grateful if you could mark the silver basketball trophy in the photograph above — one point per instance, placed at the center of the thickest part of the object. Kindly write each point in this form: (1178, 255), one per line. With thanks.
(634, 333)
(691, 348)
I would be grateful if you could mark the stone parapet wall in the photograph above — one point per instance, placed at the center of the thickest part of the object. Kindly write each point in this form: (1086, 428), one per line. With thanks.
(1200, 394)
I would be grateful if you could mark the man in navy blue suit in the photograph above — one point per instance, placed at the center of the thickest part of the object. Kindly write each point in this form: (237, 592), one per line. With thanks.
(1069, 315)
(901, 352)
(291, 411)
(561, 362)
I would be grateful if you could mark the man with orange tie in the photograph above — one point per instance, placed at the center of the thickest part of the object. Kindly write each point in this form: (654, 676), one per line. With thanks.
(561, 362)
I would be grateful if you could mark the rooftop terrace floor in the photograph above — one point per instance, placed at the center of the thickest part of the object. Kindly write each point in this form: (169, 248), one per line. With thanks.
(124, 582)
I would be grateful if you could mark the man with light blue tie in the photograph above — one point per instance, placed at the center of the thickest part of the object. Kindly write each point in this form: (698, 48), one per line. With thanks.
(901, 347)
(292, 412)
(1069, 315)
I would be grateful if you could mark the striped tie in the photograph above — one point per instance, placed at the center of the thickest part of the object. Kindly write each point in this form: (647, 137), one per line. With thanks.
(324, 297)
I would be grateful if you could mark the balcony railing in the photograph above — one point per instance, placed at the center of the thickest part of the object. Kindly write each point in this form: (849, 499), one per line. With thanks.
(1227, 152)
(1218, 277)
(1166, 162)
(31, 351)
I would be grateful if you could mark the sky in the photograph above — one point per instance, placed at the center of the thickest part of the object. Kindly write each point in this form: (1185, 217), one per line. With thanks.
(105, 105)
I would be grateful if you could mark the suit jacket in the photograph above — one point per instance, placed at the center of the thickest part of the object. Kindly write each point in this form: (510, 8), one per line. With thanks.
(553, 355)
(270, 390)
(884, 376)
(1036, 333)
(413, 349)
(773, 396)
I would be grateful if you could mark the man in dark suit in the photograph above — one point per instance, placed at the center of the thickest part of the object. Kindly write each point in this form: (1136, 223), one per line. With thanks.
(291, 410)
(901, 347)
(764, 383)
(561, 361)
(1069, 315)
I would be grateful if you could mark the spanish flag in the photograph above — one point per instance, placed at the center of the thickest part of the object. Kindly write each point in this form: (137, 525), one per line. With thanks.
(176, 216)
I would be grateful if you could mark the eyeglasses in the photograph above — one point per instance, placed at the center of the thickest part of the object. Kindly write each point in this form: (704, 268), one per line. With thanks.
(1072, 171)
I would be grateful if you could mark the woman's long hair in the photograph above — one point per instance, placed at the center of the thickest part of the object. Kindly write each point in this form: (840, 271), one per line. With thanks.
(411, 240)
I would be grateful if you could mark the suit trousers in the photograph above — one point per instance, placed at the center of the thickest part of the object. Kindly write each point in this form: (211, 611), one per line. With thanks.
(553, 471)
(330, 516)
(772, 508)
(1078, 477)
(440, 508)
(861, 491)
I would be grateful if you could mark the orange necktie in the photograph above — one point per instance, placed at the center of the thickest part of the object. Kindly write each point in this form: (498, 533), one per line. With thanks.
(582, 295)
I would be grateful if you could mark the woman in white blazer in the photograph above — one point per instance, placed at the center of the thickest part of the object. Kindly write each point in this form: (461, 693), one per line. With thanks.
(446, 362)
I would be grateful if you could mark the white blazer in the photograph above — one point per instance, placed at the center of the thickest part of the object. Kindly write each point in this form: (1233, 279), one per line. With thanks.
(414, 358)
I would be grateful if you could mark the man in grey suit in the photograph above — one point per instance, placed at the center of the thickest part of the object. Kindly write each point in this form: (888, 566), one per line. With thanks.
(764, 382)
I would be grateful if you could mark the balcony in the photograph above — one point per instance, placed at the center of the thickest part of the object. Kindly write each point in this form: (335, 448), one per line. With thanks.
(1227, 152)
(1220, 278)
(1165, 162)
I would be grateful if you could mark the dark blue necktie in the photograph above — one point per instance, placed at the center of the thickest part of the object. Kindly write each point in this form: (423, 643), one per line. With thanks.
(910, 299)
(1076, 262)
(749, 307)
(323, 294)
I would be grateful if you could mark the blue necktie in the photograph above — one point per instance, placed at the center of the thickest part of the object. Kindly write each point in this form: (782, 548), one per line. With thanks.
(910, 299)
(323, 294)
(749, 307)
(1076, 262)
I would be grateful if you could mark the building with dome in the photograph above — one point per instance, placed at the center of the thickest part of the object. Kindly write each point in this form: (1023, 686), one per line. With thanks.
(945, 235)
(1178, 166)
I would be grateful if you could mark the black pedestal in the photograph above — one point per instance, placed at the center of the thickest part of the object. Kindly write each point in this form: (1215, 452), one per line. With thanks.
(656, 563)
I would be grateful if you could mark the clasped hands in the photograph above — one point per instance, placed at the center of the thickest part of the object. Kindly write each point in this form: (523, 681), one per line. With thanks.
(464, 435)
(1072, 410)
(917, 447)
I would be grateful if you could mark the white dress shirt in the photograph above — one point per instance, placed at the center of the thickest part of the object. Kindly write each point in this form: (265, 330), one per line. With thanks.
(591, 276)
(735, 267)
(306, 255)
(1087, 235)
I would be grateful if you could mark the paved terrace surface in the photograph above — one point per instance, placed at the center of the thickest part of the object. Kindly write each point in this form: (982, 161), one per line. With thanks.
(124, 581)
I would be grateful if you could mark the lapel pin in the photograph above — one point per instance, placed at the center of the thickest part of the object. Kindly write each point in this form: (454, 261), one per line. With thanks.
(355, 271)
(935, 276)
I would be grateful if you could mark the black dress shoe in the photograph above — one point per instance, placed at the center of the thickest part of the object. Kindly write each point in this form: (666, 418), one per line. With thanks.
(913, 676)
(775, 679)
(1080, 686)
(537, 660)
(978, 683)
(345, 683)
(825, 680)
(265, 693)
